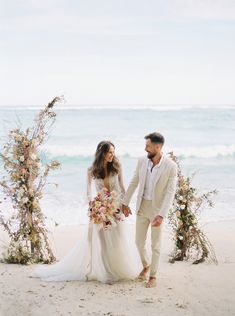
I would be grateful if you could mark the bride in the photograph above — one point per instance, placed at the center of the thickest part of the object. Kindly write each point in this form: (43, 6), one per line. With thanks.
(104, 253)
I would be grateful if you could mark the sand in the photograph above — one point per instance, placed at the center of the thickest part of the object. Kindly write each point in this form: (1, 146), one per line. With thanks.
(182, 288)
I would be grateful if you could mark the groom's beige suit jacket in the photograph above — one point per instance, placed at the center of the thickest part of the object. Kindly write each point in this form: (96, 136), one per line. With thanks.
(164, 185)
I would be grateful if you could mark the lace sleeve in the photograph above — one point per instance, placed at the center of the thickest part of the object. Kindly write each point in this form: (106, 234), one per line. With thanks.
(89, 180)
(121, 184)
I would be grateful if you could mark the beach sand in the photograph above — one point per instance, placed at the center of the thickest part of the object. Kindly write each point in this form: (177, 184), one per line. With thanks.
(182, 288)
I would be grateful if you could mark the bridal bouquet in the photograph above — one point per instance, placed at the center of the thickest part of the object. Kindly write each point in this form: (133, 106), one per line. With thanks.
(104, 209)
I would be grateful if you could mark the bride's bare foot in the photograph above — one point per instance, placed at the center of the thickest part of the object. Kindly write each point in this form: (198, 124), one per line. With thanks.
(144, 274)
(152, 282)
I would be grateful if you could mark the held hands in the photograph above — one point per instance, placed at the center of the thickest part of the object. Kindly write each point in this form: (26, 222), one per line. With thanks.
(157, 221)
(126, 210)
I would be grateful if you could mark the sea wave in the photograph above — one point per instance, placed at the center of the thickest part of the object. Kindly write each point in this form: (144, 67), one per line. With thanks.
(86, 152)
(157, 107)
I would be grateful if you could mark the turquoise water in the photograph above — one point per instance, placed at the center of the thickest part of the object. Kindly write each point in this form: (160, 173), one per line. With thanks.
(203, 138)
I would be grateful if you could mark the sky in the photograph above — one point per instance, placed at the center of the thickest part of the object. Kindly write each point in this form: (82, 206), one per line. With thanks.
(117, 52)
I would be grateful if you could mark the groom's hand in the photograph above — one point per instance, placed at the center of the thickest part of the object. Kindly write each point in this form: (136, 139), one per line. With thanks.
(157, 221)
(126, 210)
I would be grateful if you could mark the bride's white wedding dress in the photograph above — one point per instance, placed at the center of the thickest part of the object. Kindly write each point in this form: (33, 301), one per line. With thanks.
(102, 255)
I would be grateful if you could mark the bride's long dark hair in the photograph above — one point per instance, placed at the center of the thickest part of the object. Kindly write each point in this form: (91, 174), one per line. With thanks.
(98, 169)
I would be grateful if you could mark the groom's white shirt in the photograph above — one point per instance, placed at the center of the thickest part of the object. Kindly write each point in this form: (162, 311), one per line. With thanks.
(163, 185)
(150, 178)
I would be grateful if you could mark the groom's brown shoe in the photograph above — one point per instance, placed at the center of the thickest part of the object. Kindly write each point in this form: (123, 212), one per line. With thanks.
(152, 282)
(143, 276)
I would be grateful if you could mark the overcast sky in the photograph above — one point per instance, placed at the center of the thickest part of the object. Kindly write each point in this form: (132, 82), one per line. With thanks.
(117, 51)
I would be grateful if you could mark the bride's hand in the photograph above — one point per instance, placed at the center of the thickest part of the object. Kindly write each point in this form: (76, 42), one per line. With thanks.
(126, 210)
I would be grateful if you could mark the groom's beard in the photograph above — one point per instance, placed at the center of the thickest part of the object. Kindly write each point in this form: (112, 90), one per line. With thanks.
(151, 155)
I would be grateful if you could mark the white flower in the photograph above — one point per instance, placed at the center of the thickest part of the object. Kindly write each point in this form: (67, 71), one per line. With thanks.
(182, 207)
(21, 192)
(25, 200)
(181, 237)
(181, 197)
(21, 158)
(31, 192)
(33, 156)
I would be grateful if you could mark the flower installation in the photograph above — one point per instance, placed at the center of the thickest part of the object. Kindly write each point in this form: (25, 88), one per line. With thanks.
(23, 183)
(190, 241)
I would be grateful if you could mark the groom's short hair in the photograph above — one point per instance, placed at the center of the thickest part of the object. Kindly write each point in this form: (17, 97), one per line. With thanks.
(156, 138)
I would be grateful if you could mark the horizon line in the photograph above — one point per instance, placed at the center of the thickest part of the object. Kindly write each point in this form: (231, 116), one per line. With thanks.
(112, 105)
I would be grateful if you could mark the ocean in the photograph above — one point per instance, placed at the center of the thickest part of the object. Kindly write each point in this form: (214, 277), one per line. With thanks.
(202, 137)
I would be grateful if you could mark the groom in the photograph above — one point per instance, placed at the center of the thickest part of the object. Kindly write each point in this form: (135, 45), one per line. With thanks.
(156, 176)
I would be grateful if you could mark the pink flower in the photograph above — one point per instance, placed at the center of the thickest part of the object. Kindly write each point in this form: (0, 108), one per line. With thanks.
(102, 209)
(23, 171)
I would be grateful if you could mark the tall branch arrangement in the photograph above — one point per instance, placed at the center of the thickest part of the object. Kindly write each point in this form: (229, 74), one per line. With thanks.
(26, 176)
(190, 241)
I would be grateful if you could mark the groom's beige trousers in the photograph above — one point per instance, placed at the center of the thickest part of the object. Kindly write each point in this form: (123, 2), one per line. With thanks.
(144, 219)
